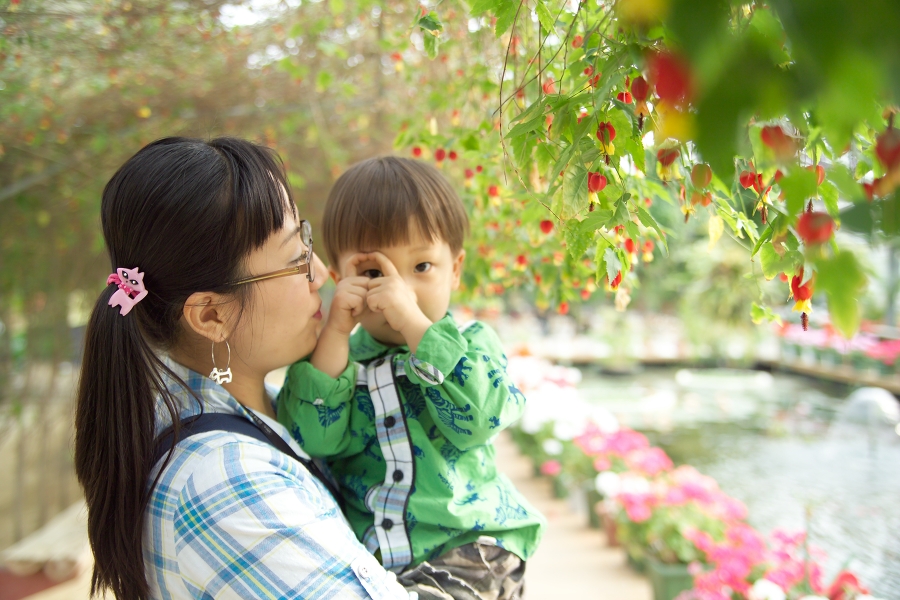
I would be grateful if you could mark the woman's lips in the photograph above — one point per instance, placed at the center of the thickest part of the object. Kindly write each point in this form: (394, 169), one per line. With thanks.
(318, 314)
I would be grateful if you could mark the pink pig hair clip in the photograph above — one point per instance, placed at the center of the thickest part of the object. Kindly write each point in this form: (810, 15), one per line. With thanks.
(131, 289)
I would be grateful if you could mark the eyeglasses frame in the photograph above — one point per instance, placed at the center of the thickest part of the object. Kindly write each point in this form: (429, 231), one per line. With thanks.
(301, 269)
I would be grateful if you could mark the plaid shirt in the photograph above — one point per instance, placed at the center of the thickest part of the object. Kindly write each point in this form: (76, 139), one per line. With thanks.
(232, 517)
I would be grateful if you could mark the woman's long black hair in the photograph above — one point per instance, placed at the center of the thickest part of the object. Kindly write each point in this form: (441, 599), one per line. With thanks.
(186, 213)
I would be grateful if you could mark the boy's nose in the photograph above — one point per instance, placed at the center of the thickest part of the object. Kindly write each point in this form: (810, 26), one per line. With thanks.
(321, 273)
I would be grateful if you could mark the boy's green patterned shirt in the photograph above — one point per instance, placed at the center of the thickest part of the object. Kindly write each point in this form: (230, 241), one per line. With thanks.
(458, 495)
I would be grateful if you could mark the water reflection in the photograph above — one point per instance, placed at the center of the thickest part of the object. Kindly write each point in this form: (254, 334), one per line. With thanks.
(780, 444)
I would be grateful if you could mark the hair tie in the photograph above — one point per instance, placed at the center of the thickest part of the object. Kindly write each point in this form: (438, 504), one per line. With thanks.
(131, 289)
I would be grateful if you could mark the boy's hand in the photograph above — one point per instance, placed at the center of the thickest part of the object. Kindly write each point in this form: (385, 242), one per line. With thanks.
(349, 301)
(391, 296)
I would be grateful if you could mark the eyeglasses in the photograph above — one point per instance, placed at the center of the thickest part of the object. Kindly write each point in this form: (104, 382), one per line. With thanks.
(306, 265)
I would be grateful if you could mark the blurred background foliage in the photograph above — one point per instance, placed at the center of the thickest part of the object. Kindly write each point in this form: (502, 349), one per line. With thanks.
(83, 84)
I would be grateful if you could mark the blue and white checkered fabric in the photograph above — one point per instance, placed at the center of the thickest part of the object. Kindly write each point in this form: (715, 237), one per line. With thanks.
(232, 517)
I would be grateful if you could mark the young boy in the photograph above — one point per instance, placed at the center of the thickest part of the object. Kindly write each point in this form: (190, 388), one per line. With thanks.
(404, 409)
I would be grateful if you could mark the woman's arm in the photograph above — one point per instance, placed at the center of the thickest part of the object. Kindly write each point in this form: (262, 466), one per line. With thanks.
(252, 523)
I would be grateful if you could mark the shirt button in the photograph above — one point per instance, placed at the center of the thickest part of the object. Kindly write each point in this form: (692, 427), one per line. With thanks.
(398, 475)
(379, 362)
(364, 572)
(387, 524)
(389, 422)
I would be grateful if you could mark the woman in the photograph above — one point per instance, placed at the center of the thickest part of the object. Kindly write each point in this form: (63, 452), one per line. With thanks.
(212, 273)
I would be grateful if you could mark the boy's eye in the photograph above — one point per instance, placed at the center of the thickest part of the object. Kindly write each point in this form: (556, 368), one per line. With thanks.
(371, 273)
(423, 267)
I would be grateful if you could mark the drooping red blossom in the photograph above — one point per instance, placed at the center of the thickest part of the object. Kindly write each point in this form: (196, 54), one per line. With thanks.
(493, 191)
(781, 143)
(887, 148)
(640, 89)
(801, 292)
(577, 41)
(815, 227)
(546, 226)
(701, 175)
(666, 156)
(606, 132)
(624, 97)
(596, 182)
(629, 245)
(416, 151)
(671, 76)
(440, 154)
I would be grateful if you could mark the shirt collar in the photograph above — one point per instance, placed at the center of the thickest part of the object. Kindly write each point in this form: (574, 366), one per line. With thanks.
(214, 397)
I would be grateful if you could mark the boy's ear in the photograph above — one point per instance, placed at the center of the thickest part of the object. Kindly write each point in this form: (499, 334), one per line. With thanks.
(457, 268)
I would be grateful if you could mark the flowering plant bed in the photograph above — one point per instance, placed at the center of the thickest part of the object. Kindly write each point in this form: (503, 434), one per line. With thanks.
(675, 515)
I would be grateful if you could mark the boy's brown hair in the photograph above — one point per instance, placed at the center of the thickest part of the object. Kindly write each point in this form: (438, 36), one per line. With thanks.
(371, 204)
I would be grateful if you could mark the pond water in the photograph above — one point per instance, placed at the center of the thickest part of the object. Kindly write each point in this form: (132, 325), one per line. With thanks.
(788, 446)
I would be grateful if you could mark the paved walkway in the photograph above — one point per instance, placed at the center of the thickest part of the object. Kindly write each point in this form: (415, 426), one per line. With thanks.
(572, 561)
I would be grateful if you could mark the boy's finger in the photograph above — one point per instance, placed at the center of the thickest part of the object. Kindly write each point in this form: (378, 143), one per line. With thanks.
(358, 281)
(351, 263)
(387, 267)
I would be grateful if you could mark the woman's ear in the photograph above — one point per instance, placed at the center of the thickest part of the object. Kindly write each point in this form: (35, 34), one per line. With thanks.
(210, 315)
(457, 268)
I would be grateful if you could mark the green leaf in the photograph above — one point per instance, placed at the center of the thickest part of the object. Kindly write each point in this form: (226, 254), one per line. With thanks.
(521, 148)
(858, 218)
(600, 258)
(560, 167)
(480, 7)
(760, 314)
(773, 264)
(765, 237)
(829, 195)
(431, 23)
(613, 264)
(323, 80)
(595, 220)
(432, 43)
(621, 216)
(849, 188)
(575, 192)
(633, 231)
(470, 142)
(647, 220)
(842, 279)
(506, 15)
(527, 126)
(577, 241)
(544, 16)
(635, 148)
(798, 187)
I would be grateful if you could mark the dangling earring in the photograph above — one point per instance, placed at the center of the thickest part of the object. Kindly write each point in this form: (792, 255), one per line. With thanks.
(218, 375)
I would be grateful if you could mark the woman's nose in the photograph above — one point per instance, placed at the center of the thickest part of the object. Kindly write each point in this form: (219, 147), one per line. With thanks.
(321, 273)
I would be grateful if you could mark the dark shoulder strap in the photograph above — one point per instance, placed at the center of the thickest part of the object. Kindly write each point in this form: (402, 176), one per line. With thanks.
(255, 428)
(204, 423)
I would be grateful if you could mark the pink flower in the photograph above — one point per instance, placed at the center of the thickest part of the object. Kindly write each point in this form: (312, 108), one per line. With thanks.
(601, 463)
(551, 467)
(650, 461)
(624, 441)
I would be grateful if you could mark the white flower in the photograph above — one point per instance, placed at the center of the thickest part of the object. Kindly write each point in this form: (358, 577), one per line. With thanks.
(566, 430)
(764, 589)
(608, 483)
(553, 447)
(634, 484)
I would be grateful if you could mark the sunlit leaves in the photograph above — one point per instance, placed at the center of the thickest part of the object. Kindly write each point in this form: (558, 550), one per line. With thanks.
(841, 278)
